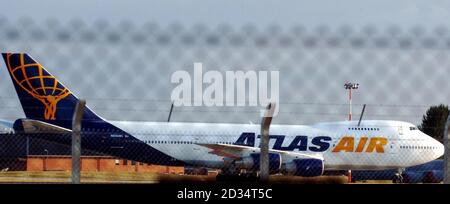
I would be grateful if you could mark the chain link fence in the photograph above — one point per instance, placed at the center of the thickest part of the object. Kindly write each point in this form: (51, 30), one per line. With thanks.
(123, 70)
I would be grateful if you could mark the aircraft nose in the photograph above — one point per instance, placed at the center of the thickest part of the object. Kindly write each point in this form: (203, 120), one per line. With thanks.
(440, 150)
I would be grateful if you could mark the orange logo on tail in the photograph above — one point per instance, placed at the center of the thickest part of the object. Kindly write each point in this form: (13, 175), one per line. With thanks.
(35, 86)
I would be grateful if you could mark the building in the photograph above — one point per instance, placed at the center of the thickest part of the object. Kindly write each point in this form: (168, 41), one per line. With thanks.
(20, 153)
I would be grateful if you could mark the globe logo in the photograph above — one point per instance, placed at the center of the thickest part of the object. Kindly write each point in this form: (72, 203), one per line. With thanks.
(38, 83)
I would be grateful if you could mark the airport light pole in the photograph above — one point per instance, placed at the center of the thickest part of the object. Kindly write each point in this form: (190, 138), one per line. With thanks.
(350, 86)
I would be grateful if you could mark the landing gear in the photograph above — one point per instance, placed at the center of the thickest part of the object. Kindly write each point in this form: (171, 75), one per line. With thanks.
(398, 178)
(250, 176)
(227, 175)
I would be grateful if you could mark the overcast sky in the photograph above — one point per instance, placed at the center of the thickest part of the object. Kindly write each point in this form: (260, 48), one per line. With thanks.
(238, 12)
(397, 81)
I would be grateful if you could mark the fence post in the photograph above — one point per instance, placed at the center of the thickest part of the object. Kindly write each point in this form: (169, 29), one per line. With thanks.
(264, 143)
(447, 152)
(76, 141)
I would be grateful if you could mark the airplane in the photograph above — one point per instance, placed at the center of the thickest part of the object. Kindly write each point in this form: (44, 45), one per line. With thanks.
(300, 150)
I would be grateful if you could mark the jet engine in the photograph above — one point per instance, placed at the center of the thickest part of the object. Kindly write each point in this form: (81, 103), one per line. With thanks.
(252, 162)
(304, 167)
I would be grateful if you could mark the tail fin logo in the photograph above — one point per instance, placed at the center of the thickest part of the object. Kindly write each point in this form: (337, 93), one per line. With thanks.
(39, 84)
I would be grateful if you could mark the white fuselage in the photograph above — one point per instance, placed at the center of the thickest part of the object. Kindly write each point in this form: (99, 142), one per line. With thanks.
(345, 145)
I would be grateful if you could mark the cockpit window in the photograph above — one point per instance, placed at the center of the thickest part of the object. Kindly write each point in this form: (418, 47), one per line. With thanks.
(413, 128)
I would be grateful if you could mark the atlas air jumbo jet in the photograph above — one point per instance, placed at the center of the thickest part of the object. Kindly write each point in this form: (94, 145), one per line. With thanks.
(294, 149)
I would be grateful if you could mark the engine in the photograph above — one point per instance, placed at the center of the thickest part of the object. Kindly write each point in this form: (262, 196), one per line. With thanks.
(304, 167)
(252, 162)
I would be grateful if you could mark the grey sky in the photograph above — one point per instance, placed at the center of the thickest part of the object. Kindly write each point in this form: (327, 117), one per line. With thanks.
(238, 12)
(397, 83)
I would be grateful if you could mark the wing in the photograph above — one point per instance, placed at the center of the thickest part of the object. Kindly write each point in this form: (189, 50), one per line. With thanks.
(238, 151)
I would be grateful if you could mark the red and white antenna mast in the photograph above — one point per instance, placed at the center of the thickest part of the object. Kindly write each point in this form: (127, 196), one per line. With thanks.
(350, 86)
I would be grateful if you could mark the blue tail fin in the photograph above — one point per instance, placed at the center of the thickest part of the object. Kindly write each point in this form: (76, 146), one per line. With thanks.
(42, 96)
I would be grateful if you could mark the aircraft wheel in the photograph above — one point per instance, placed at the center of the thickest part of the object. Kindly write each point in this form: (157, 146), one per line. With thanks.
(398, 179)
(252, 176)
(227, 174)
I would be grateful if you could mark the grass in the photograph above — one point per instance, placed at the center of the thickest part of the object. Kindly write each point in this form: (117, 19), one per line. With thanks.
(374, 182)
(142, 177)
(308, 180)
(86, 177)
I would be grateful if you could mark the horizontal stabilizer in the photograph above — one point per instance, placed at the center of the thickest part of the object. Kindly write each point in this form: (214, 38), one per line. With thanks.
(35, 126)
(6, 126)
